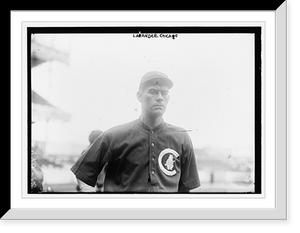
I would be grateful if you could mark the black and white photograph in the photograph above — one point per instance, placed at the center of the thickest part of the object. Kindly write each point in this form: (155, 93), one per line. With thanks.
(144, 110)
(148, 115)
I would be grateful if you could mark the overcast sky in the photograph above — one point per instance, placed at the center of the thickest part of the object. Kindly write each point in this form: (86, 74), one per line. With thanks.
(213, 77)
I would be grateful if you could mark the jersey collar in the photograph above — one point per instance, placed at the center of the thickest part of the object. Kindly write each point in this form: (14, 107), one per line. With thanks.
(146, 128)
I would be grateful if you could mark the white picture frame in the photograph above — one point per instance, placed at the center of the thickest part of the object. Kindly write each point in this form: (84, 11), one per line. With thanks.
(270, 204)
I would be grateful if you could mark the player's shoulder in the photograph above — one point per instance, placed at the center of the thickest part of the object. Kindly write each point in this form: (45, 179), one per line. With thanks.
(121, 128)
(175, 128)
(179, 134)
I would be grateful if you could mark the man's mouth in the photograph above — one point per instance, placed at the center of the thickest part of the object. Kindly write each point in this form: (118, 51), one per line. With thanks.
(158, 105)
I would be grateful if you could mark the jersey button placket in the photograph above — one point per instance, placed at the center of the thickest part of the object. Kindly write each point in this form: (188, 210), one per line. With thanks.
(152, 155)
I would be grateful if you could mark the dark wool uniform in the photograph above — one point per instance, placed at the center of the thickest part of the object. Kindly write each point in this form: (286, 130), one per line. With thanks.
(141, 160)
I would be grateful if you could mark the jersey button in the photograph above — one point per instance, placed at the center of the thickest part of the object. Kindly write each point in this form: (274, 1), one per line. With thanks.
(153, 158)
(152, 144)
(152, 172)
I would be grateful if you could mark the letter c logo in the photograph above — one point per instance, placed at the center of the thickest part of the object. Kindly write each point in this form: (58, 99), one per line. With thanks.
(166, 161)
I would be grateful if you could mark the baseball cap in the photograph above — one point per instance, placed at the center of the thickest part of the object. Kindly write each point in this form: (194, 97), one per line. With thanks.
(156, 77)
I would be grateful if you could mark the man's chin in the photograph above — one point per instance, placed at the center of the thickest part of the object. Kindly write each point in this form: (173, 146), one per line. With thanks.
(158, 113)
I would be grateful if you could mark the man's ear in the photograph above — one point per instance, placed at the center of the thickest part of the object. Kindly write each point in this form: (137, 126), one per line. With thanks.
(139, 96)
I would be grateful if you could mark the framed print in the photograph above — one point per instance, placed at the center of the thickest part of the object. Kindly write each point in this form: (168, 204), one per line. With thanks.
(148, 114)
(215, 157)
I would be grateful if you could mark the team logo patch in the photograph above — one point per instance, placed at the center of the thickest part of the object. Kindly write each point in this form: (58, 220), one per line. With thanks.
(166, 161)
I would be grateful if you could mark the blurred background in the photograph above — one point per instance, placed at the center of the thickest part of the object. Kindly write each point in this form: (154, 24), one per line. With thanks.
(86, 82)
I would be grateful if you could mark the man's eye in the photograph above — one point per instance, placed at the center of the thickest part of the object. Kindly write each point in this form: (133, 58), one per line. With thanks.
(152, 92)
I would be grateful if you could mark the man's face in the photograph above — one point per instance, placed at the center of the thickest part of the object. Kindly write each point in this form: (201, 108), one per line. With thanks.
(154, 99)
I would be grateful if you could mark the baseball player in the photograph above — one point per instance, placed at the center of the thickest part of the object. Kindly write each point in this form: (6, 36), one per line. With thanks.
(145, 155)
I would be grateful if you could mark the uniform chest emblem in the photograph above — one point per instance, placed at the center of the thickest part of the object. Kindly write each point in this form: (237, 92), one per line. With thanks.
(166, 161)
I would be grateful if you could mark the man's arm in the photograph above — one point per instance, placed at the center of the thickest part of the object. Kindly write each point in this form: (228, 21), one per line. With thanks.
(84, 187)
(189, 179)
(90, 163)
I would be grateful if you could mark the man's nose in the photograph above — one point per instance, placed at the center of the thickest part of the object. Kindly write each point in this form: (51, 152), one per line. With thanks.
(159, 96)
